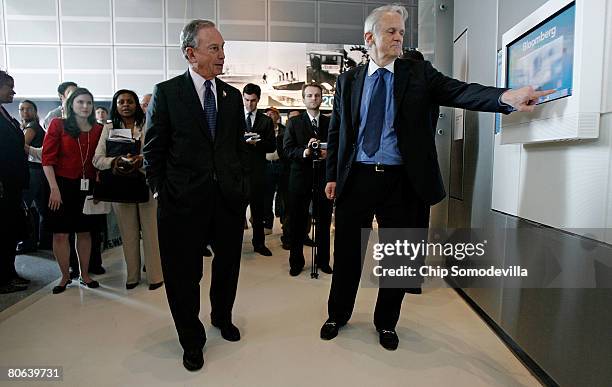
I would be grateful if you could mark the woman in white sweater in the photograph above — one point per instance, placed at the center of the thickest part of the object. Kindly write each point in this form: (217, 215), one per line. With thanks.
(132, 218)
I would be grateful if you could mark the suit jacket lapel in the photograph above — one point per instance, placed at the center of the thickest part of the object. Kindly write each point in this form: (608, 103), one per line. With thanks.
(356, 93)
(192, 101)
(221, 133)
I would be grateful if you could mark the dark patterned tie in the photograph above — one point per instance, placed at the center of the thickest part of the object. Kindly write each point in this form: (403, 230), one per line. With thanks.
(210, 110)
(376, 114)
(249, 123)
(315, 128)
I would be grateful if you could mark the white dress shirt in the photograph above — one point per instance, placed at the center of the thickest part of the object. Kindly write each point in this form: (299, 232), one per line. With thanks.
(198, 83)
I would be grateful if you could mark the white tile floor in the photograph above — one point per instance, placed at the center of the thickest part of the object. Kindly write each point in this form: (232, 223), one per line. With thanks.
(112, 337)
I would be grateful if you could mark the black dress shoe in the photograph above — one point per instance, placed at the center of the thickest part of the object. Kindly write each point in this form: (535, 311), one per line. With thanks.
(193, 359)
(156, 286)
(91, 284)
(207, 252)
(97, 270)
(228, 331)
(263, 250)
(295, 271)
(414, 290)
(388, 339)
(330, 329)
(309, 242)
(60, 288)
(131, 286)
(326, 269)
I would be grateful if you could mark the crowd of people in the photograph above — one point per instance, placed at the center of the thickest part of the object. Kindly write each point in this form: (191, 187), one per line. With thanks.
(73, 155)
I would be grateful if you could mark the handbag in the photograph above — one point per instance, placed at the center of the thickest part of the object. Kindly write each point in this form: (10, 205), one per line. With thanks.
(130, 188)
(94, 207)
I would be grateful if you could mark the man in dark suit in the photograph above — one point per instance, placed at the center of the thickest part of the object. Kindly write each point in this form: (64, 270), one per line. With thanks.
(382, 157)
(196, 166)
(14, 178)
(301, 132)
(263, 142)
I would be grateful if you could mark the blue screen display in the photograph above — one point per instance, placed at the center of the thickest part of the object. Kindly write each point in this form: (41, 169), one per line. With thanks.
(544, 57)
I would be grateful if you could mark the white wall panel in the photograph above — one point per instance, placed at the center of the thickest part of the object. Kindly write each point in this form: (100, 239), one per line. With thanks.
(139, 33)
(87, 58)
(33, 58)
(31, 7)
(139, 58)
(190, 9)
(139, 8)
(32, 31)
(86, 32)
(176, 61)
(35, 85)
(85, 8)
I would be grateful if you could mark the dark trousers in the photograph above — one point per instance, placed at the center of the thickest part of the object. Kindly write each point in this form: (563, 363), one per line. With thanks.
(390, 197)
(37, 195)
(181, 242)
(10, 207)
(256, 201)
(299, 203)
(274, 172)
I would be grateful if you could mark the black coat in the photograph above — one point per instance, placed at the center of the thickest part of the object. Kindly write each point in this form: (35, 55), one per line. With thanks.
(182, 161)
(14, 172)
(263, 126)
(418, 88)
(297, 134)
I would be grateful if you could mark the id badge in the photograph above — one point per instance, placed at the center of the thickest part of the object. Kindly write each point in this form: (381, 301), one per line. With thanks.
(84, 184)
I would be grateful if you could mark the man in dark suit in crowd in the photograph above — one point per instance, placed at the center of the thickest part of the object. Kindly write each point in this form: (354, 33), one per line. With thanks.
(382, 157)
(14, 178)
(196, 165)
(261, 125)
(302, 131)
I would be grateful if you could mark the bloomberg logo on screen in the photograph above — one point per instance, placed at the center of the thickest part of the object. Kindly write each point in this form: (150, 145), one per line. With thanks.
(550, 34)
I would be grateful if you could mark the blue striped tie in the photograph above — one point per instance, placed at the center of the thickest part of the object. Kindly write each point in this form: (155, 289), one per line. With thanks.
(376, 114)
(210, 109)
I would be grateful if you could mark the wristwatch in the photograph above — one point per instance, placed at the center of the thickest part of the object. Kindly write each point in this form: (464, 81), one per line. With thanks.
(155, 195)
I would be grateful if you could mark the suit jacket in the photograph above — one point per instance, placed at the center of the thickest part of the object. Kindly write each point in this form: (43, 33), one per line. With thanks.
(14, 171)
(183, 163)
(297, 134)
(418, 88)
(264, 126)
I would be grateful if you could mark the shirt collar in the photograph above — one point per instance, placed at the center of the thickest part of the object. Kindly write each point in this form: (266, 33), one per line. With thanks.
(372, 67)
(314, 118)
(198, 81)
(252, 113)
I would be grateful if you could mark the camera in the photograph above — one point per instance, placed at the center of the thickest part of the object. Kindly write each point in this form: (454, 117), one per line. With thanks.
(316, 147)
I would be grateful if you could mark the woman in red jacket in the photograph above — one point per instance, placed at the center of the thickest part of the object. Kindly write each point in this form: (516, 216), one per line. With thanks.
(68, 149)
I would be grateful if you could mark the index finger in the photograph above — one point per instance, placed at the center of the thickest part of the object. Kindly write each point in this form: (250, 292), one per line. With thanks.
(542, 93)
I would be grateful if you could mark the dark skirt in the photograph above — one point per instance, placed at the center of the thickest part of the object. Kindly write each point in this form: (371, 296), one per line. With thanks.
(69, 217)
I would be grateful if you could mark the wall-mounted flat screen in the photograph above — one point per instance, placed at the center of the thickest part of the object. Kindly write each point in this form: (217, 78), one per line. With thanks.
(544, 56)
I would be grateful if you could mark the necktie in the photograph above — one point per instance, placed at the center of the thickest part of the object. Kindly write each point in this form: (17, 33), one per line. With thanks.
(315, 128)
(210, 110)
(376, 114)
(249, 123)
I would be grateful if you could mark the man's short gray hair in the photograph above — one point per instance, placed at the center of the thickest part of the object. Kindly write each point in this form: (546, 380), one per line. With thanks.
(371, 22)
(189, 34)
